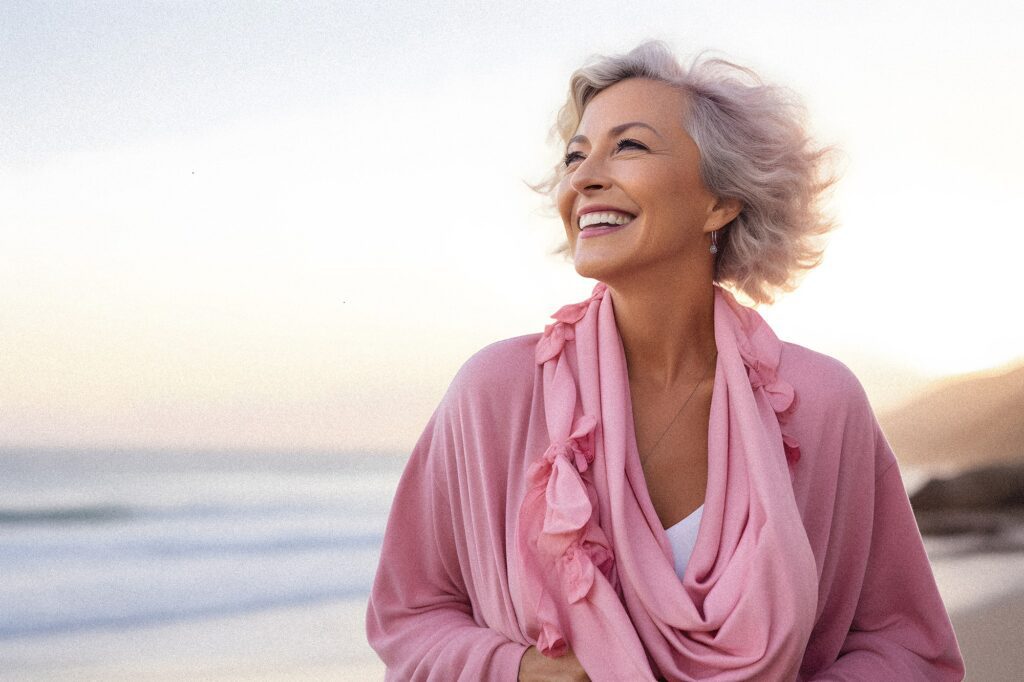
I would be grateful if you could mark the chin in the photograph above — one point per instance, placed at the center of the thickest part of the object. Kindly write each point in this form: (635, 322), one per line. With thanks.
(600, 270)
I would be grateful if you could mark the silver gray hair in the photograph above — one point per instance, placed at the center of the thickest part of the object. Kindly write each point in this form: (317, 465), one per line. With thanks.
(754, 146)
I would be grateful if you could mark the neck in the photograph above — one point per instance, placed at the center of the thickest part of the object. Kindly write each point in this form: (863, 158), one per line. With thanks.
(667, 327)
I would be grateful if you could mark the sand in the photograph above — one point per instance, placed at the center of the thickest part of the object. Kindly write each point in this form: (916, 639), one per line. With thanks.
(323, 642)
(991, 639)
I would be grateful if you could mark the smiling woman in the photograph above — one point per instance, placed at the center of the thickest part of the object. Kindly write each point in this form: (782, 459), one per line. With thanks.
(657, 487)
(744, 142)
(646, 190)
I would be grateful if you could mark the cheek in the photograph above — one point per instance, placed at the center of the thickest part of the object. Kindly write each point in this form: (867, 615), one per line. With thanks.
(564, 201)
(679, 197)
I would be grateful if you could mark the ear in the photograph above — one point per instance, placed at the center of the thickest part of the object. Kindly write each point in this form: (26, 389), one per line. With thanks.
(723, 212)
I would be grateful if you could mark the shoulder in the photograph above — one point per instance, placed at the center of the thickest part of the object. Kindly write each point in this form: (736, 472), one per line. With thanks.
(832, 410)
(822, 383)
(502, 369)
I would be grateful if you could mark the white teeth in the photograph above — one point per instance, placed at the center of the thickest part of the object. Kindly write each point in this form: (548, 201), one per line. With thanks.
(612, 218)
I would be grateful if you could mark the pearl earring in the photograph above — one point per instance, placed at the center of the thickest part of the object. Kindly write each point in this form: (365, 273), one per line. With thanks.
(714, 242)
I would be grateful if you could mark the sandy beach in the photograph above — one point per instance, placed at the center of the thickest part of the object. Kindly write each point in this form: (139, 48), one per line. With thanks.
(992, 638)
(984, 594)
(322, 642)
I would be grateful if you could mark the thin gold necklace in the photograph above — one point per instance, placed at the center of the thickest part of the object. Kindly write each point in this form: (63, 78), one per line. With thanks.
(650, 453)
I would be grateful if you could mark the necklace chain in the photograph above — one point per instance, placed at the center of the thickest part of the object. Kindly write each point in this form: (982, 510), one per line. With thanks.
(650, 453)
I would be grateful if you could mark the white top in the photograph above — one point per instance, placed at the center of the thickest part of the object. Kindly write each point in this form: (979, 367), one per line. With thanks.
(683, 537)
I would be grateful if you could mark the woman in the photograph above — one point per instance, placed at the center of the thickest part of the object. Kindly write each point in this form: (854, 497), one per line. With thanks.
(656, 487)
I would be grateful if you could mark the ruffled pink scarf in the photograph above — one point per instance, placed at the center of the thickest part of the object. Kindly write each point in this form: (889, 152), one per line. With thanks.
(594, 563)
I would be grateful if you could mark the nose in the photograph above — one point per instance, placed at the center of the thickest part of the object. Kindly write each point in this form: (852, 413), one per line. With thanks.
(589, 175)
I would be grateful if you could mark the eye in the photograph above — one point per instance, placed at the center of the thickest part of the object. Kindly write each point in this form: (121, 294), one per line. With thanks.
(630, 143)
(573, 157)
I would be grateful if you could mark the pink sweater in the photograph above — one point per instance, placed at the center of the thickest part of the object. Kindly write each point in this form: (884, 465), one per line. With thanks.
(523, 518)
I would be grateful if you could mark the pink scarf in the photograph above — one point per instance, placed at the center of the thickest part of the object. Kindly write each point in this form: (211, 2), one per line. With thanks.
(746, 605)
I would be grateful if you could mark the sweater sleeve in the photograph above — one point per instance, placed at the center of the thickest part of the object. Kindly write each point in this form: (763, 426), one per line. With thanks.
(420, 618)
(900, 628)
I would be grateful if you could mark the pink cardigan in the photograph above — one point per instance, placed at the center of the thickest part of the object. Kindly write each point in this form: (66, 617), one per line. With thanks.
(523, 518)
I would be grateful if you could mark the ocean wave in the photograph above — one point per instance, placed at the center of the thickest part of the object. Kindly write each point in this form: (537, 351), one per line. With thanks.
(61, 515)
(187, 612)
(182, 546)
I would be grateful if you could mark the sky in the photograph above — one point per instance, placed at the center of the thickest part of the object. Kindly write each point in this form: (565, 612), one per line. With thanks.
(285, 226)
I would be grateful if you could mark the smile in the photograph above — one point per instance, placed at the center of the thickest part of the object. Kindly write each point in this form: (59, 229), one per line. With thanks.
(602, 219)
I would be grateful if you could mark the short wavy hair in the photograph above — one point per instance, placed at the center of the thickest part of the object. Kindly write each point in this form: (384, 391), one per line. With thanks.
(754, 146)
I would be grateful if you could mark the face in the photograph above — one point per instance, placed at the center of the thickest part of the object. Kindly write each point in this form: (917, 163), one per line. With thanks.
(631, 197)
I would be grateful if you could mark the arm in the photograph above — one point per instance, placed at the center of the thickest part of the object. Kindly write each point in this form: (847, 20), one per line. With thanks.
(900, 628)
(420, 619)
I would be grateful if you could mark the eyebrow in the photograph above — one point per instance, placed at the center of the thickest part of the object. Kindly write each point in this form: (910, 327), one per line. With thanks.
(622, 127)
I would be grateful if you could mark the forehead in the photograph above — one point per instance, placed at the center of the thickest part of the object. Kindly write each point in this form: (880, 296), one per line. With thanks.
(635, 99)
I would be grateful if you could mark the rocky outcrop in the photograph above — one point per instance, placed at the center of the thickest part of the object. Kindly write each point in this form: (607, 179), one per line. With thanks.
(984, 505)
(985, 488)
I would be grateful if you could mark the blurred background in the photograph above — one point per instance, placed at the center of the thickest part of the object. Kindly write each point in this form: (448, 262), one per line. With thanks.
(245, 246)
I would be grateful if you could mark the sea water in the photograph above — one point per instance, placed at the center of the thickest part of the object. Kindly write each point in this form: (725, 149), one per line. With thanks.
(101, 540)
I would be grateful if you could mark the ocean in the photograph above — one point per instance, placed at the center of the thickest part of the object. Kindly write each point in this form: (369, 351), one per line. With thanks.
(118, 544)
(114, 541)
